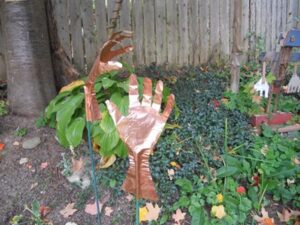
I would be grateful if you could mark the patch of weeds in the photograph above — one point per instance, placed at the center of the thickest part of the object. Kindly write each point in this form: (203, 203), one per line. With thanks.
(41, 121)
(65, 165)
(20, 132)
(83, 196)
(3, 108)
(37, 215)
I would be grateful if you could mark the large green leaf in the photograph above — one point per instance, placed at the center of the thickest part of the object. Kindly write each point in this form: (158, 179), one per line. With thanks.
(122, 102)
(52, 107)
(64, 116)
(74, 131)
(199, 216)
(107, 83)
(108, 141)
(121, 149)
(226, 171)
(107, 124)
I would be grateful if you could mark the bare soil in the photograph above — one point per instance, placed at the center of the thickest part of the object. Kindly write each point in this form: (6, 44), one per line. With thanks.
(22, 184)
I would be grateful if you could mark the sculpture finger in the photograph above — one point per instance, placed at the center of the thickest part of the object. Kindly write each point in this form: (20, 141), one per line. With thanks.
(158, 96)
(113, 111)
(147, 95)
(169, 107)
(133, 91)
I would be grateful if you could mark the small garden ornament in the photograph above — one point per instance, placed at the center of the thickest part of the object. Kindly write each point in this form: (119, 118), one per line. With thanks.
(103, 64)
(140, 131)
(294, 83)
(262, 86)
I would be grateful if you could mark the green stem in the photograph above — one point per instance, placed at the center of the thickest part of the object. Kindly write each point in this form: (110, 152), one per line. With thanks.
(226, 136)
(97, 197)
(262, 196)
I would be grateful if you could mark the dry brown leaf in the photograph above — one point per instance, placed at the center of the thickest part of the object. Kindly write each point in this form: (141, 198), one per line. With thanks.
(68, 210)
(44, 165)
(108, 211)
(178, 216)
(171, 173)
(264, 219)
(153, 211)
(106, 162)
(92, 208)
(129, 197)
(77, 165)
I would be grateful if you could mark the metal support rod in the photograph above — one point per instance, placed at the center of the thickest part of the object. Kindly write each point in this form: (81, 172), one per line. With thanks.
(137, 211)
(94, 178)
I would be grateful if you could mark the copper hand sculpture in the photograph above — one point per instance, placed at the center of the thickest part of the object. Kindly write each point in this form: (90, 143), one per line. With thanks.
(140, 131)
(103, 65)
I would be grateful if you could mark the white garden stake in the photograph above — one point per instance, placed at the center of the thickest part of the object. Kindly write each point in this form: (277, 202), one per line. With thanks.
(294, 84)
(262, 86)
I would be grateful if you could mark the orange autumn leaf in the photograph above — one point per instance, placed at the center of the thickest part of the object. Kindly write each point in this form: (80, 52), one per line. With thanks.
(2, 146)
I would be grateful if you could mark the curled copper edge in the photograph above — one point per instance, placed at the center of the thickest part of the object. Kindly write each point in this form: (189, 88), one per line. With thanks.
(103, 65)
(140, 131)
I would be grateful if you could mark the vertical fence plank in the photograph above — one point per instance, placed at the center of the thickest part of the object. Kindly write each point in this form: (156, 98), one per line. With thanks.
(252, 26)
(76, 34)
(273, 24)
(214, 10)
(268, 26)
(194, 33)
(264, 16)
(183, 33)
(101, 21)
(149, 31)
(161, 31)
(89, 31)
(172, 32)
(245, 25)
(283, 15)
(204, 30)
(224, 28)
(61, 14)
(138, 20)
(126, 24)
(258, 22)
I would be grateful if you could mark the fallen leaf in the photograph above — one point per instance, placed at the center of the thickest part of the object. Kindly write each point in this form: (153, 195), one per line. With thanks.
(23, 161)
(171, 173)
(264, 219)
(44, 165)
(70, 223)
(178, 216)
(2, 146)
(143, 213)
(44, 211)
(129, 197)
(108, 211)
(92, 208)
(153, 212)
(218, 211)
(68, 210)
(203, 179)
(77, 165)
(33, 185)
(296, 161)
(175, 164)
(16, 143)
(107, 162)
(285, 216)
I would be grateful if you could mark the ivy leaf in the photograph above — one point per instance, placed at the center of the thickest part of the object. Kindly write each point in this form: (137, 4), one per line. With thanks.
(185, 185)
(74, 131)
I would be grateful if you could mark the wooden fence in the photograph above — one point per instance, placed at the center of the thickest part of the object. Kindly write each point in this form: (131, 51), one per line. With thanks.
(176, 32)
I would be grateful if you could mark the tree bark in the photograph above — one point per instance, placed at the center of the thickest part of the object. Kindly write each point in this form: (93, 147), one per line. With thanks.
(237, 47)
(28, 60)
(2, 56)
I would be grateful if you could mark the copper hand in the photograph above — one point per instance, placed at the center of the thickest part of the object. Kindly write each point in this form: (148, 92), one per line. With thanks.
(140, 131)
(103, 65)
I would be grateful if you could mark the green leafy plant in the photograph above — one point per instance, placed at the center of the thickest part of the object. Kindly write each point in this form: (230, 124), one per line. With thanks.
(20, 132)
(66, 113)
(35, 218)
(3, 108)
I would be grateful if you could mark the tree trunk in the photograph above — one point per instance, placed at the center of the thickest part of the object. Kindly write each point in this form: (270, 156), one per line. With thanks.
(28, 60)
(236, 48)
(2, 56)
